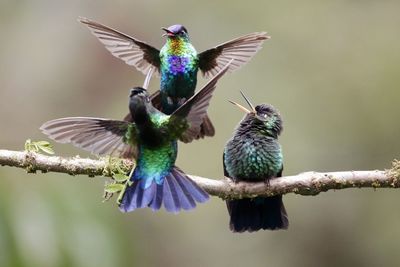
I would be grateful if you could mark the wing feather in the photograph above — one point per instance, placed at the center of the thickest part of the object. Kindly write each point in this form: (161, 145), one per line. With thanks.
(241, 49)
(132, 51)
(98, 136)
(195, 109)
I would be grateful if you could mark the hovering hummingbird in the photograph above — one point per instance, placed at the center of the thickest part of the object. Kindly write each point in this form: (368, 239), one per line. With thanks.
(151, 139)
(253, 154)
(177, 61)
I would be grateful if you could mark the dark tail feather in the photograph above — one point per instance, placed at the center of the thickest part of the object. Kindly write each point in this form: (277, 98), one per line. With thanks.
(177, 192)
(206, 128)
(253, 214)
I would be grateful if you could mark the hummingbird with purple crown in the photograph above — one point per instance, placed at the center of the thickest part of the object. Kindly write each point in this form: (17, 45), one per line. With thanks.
(151, 140)
(177, 62)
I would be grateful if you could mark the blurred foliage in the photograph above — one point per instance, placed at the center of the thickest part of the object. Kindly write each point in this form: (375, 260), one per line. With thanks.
(331, 68)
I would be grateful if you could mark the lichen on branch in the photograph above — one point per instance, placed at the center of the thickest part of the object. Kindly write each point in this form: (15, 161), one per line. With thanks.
(307, 183)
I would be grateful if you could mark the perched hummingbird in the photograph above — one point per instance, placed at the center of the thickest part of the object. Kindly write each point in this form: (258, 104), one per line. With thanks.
(177, 61)
(151, 139)
(253, 154)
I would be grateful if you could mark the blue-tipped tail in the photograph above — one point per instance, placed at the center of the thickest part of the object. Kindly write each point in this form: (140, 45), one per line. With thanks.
(177, 192)
(253, 214)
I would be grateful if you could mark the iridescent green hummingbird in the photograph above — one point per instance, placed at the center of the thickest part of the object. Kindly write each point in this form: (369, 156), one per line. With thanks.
(253, 154)
(151, 139)
(177, 61)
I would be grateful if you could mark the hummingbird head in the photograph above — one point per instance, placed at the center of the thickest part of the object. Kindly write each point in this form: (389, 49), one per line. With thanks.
(176, 31)
(138, 102)
(270, 118)
(264, 117)
(138, 92)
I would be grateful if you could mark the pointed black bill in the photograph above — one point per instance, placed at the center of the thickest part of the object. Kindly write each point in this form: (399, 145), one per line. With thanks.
(167, 32)
(248, 101)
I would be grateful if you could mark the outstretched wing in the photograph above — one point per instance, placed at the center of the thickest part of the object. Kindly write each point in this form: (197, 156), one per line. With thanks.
(194, 110)
(98, 136)
(241, 49)
(134, 52)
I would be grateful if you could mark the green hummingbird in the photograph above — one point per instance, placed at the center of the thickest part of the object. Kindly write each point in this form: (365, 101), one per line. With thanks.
(253, 154)
(178, 61)
(151, 139)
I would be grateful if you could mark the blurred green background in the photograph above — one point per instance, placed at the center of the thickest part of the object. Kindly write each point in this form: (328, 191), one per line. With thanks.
(331, 68)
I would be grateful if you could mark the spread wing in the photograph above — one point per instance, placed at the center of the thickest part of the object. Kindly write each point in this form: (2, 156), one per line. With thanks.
(134, 52)
(194, 109)
(98, 136)
(241, 49)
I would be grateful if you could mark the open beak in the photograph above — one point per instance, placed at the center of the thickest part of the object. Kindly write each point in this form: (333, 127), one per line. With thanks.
(240, 106)
(167, 32)
(248, 102)
(253, 110)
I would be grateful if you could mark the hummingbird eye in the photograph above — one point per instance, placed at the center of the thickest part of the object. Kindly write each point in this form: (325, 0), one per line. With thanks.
(262, 116)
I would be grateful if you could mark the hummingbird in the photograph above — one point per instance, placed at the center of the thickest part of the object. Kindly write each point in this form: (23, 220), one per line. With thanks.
(253, 154)
(178, 61)
(151, 139)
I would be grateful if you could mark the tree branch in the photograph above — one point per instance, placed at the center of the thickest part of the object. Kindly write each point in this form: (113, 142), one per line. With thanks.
(308, 183)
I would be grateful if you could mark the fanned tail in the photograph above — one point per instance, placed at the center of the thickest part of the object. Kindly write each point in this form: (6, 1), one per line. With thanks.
(253, 214)
(176, 192)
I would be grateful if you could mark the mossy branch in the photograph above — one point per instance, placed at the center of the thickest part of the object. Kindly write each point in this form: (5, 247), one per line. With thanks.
(308, 183)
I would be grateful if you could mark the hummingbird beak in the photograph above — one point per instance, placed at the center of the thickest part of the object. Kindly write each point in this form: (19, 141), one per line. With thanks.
(148, 78)
(167, 32)
(240, 106)
(248, 102)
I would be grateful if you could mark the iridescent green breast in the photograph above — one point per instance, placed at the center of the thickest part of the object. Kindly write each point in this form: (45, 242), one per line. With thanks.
(154, 164)
(252, 158)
